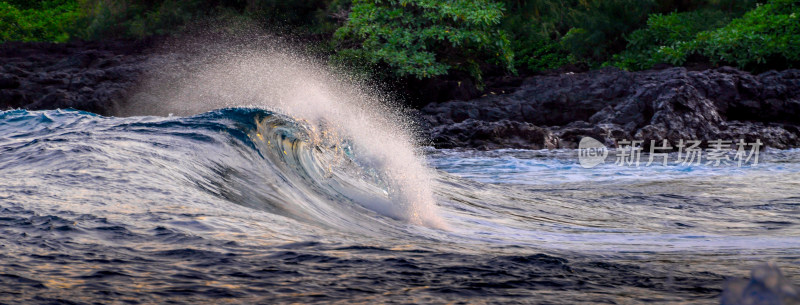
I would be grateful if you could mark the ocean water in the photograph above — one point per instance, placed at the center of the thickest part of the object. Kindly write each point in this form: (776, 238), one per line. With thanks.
(244, 205)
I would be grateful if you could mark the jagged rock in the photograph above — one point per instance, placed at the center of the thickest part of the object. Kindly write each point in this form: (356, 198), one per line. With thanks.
(87, 76)
(493, 135)
(608, 104)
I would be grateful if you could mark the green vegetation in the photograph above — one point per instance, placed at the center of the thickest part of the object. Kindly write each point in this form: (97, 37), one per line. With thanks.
(62, 20)
(765, 37)
(427, 38)
(37, 21)
(548, 34)
(433, 38)
(646, 47)
(598, 27)
(102, 19)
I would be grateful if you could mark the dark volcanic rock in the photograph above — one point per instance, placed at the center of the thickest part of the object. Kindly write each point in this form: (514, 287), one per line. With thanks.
(548, 111)
(93, 77)
(612, 105)
(493, 135)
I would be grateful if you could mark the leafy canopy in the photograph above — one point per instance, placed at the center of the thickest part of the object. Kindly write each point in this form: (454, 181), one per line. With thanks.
(645, 45)
(598, 27)
(426, 38)
(765, 37)
(37, 21)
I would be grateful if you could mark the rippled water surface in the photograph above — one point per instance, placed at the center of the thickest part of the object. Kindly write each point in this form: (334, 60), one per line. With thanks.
(243, 205)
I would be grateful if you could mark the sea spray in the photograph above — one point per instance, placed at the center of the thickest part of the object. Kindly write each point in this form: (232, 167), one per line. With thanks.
(279, 80)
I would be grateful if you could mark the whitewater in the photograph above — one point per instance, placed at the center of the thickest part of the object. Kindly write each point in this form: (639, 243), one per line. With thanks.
(260, 177)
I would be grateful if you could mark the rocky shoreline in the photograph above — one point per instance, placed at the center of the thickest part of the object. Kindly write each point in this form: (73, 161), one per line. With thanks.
(95, 77)
(611, 105)
(547, 111)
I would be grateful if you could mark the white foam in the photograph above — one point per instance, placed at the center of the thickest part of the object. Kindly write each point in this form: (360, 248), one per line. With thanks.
(279, 80)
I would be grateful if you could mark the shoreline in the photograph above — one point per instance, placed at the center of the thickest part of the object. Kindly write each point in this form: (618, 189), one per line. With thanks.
(546, 111)
(671, 104)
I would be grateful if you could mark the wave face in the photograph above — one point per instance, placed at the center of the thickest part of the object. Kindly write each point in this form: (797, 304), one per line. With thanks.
(249, 157)
(317, 106)
(246, 205)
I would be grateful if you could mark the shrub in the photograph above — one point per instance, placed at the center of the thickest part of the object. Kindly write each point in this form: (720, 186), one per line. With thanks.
(765, 37)
(45, 21)
(534, 28)
(541, 54)
(141, 18)
(426, 38)
(659, 40)
(768, 36)
(598, 27)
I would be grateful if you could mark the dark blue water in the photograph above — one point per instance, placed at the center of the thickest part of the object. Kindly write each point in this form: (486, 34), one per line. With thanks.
(247, 206)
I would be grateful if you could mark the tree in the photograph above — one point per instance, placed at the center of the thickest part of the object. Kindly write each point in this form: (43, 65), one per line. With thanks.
(426, 38)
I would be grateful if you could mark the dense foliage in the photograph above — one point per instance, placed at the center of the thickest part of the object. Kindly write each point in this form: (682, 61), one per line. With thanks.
(433, 38)
(61, 20)
(597, 27)
(141, 18)
(426, 38)
(765, 37)
(647, 46)
(37, 21)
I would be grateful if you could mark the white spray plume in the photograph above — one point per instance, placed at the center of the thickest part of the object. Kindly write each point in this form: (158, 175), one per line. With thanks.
(276, 79)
